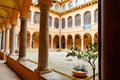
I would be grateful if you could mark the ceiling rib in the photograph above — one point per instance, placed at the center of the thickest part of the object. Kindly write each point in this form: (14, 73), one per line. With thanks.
(9, 7)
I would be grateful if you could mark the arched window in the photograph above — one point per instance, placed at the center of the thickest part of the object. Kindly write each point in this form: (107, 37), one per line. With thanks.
(56, 23)
(64, 7)
(77, 20)
(70, 5)
(56, 7)
(70, 21)
(63, 23)
(87, 20)
(36, 17)
(96, 16)
(50, 21)
(78, 2)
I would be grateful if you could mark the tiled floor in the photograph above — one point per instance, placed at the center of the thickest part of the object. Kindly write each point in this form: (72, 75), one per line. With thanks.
(6, 73)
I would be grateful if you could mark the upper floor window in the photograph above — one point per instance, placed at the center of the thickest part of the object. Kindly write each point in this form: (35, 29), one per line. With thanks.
(50, 21)
(70, 21)
(56, 7)
(63, 23)
(96, 16)
(78, 2)
(36, 17)
(70, 5)
(64, 7)
(87, 18)
(77, 20)
(56, 23)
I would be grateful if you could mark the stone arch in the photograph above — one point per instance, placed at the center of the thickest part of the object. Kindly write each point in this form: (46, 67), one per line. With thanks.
(78, 41)
(87, 39)
(63, 42)
(35, 42)
(56, 41)
(69, 41)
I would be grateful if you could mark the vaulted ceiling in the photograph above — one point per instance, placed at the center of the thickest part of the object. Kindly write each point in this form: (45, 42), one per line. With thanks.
(10, 9)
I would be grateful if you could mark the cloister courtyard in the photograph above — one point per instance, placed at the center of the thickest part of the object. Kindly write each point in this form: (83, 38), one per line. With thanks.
(60, 65)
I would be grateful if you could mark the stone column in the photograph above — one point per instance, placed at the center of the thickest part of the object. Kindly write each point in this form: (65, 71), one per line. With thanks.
(82, 44)
(43, 41)
(60, 42)
(66, 44)
(7, 40)
(93, 39)
(16, 42)
(12, 40)
(3, 41)
(30, 41)
(23, 36)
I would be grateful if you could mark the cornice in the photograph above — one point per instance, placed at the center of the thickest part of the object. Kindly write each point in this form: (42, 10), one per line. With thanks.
(72, 9)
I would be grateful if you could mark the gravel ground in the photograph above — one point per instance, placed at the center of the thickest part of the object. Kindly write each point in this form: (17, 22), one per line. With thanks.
(58, 61)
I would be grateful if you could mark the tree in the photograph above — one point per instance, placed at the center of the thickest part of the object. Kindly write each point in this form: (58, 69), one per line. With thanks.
(90, 55)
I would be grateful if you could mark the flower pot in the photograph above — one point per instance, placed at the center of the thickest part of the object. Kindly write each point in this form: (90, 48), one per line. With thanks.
(79, 74)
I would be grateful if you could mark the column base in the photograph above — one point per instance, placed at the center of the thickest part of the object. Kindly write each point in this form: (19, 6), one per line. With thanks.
(12, 54)
(21, 59)
(43, 71)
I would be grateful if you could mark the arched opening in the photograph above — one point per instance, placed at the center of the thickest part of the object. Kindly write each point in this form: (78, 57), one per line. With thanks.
(96, 39)
(77, 41)
(63, 42)
(87, 39)
(69, 41)
(56, 42)
(35, 39)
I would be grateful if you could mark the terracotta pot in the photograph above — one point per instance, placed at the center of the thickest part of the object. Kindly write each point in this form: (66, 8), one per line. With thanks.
(79, 74)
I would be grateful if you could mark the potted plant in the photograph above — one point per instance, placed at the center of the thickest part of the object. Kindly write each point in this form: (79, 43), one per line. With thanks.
(89, 55)
(80, 71)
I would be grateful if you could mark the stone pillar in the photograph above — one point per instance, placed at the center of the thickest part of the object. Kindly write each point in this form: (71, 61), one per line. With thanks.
(0, 39)
(93, 39)
(12, 40)
(30, 41)
(3, 41)
(23, 36)
(109, 39)
(16, 42)
(82, 44)
(43, 41)
(7, 40)
(66, 44)
(60, 42)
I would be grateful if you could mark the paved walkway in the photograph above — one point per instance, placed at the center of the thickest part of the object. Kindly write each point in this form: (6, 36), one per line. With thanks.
(6, 73)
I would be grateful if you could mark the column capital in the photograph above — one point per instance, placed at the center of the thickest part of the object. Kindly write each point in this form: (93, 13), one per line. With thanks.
(44, 5)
